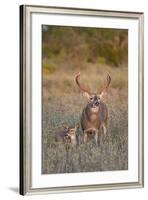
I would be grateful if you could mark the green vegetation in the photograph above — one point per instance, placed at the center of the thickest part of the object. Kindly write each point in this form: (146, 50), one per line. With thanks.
(75, 45)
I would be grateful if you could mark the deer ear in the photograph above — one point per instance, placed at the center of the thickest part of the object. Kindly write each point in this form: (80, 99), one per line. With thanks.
(86, 94)
(65, 126)
(102, 94)
(77, 126)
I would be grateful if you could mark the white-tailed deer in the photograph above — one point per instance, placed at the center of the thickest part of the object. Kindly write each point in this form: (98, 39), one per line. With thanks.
(68, 134)
(95, 114)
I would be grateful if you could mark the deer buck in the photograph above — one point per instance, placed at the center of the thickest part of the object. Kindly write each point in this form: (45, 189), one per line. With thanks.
(95, 114)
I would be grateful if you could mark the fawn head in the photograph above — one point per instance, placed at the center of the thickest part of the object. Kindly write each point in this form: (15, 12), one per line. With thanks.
(69, 131)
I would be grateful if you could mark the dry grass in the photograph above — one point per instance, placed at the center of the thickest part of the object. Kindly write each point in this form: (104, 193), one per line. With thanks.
(62, 102)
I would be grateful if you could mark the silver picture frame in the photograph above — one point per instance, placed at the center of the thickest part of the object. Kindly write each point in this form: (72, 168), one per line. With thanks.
(26, 95)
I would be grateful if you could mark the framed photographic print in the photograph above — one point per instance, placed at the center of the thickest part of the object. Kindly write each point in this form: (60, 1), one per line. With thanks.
(81, 100)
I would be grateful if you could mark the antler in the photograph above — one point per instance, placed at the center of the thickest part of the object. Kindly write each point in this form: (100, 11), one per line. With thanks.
(82, 88)
(107, 84)
(108, 81)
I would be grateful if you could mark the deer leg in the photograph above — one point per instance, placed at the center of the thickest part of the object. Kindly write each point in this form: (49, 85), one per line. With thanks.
(96, 137)
(85, 136)
(104, 129)
(105, 132)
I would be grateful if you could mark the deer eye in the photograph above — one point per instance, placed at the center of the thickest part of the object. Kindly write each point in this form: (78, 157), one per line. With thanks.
(91, 98)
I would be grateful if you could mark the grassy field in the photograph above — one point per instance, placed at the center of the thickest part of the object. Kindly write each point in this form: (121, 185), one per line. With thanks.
(63, 103)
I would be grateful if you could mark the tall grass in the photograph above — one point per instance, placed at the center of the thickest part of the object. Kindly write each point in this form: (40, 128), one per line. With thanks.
(63, 102)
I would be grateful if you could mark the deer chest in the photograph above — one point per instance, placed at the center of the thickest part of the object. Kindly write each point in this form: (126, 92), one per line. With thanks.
(91, 121)
(93, 118)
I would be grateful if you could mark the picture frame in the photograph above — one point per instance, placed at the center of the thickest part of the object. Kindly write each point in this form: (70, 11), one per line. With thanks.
(31, 19)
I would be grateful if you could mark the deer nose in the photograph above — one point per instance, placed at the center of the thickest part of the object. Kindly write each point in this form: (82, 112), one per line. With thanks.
(97, 103)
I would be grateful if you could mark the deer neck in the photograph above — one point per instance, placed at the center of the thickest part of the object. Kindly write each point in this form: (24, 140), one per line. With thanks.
(73, 139)
(91, 113)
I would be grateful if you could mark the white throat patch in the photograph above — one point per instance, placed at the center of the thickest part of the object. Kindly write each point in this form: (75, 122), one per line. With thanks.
(95, 110)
